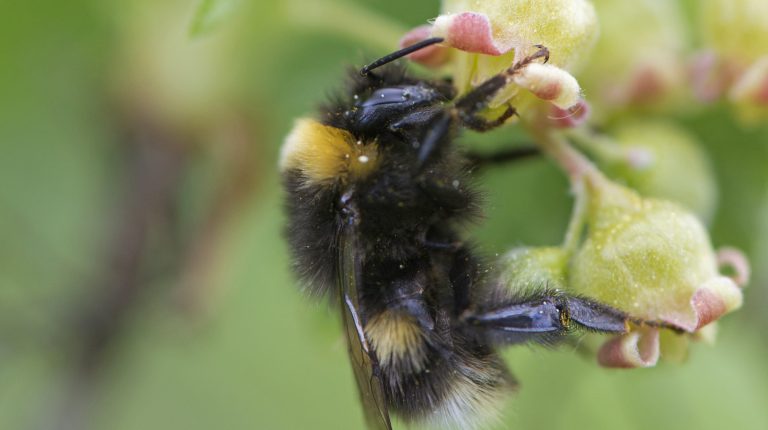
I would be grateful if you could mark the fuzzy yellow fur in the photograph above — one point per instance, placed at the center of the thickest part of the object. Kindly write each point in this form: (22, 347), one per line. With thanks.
(325, 154)
(396, 336)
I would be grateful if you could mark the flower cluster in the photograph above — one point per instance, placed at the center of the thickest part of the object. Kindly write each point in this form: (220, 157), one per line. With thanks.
(637, 240)
(485, 38)
(651, 259)
(734, 63)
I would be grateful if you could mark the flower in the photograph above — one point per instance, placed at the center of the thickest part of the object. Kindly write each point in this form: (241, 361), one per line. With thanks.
(549, 83)
(735, 33)
(638, 59)
(735, 29)
(749, 93)
(647, 154)
(650, 258)
(567, 27)
(491, 36)
(653, 260)
(524, 268)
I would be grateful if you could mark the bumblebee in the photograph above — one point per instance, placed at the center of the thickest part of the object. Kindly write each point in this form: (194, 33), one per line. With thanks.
(376, 195)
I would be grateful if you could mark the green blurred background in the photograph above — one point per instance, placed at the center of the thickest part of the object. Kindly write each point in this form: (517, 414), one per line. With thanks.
(144, 283)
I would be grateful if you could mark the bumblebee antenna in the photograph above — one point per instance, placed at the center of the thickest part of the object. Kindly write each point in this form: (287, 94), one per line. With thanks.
(400, 54)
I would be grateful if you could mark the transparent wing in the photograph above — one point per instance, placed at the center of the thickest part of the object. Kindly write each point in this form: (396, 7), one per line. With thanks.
(365, 364)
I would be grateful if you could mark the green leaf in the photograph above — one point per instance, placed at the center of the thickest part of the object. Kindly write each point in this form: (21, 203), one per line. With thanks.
(210, 14)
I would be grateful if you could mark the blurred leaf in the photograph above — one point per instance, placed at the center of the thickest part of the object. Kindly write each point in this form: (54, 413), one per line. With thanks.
(210, 14)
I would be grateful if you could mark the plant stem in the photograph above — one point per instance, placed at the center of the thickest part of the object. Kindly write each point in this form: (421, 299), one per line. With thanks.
(577, 222)
(579, 169)
(571, 161)
(599, 146)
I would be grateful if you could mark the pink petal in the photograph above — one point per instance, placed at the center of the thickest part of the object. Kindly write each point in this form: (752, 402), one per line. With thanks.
(635, 349)
(708, 305)
(468, 31)
(706, 80)
(761, 96)
(431, 56)
(713, 299)
(736, 260)
(712, 75)
(549, 83)
(647, 85)
(574, 116)
(752, 84)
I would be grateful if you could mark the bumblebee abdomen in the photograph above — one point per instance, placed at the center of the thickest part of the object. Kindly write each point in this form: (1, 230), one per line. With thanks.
(460, 387)
(432, 371)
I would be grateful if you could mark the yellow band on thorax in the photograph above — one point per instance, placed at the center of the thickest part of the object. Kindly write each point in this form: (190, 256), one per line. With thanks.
(324, 154)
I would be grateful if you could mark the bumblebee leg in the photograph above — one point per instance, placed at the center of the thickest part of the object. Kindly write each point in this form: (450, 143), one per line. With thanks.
(437, 133)
(595, 316)
(544, 317)
(467, 107)
(436, 239)
(479, 161)
(416, 120)
(478, 123)
(477, 99)
(448, 246)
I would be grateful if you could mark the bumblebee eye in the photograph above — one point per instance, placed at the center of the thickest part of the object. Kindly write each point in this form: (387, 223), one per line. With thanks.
(409, 96)
(391, 105)
(388, 96)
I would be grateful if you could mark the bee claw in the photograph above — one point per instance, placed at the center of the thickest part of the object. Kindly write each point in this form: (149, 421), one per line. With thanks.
(542, 52)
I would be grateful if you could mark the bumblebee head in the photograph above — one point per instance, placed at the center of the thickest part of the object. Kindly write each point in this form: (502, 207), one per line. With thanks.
(383, 151)
(382, 117)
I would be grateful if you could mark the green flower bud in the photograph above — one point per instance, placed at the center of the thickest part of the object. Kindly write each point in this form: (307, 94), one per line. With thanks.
(638, 57)
(522, 269)
(737, 30)
(649, 258)
(647, 156)
(653, 260)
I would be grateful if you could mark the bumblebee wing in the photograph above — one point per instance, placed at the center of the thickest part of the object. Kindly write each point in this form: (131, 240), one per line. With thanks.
(365, 364)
